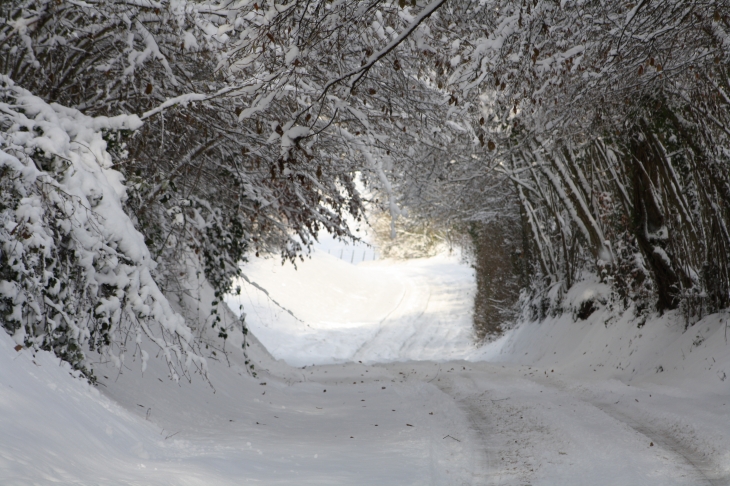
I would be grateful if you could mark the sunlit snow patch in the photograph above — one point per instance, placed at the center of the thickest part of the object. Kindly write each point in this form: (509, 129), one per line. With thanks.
(328, 310)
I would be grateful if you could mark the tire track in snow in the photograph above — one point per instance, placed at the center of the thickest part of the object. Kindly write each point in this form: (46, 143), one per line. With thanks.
(391, 328)
(708, 473)
(415, 329)
(429, 323)
(496, 460)
(480, 423)
(493, 432)
(480, 428)
(366, 344)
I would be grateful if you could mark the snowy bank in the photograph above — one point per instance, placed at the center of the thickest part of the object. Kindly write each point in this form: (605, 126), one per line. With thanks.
(659, 351)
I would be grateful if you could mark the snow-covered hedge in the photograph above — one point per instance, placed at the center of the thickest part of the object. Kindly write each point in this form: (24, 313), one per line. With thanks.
(75, 274)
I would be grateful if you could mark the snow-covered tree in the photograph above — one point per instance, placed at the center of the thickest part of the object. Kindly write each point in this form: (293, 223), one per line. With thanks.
(611, 121)
(598, 130)
(255, 118)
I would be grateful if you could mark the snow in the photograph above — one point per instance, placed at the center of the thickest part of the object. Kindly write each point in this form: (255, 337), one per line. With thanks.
(587, 290)
(183, 100)
(335, 318)
(190, 42)
(84, 199)
(291, 55)
(560, 402)
(283, 427)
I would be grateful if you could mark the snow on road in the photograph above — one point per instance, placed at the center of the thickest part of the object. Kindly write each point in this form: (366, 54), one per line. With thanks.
(376, 311)
(316, 427)
(382, 384)
(525, 423)
(531, 429)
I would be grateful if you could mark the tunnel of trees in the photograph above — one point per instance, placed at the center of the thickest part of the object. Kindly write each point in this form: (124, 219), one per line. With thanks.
(565, 140)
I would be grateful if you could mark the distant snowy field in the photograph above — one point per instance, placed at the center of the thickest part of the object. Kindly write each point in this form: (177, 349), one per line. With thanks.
(598, 402)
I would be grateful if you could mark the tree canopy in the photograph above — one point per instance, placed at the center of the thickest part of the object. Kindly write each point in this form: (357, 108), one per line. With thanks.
(593, 133)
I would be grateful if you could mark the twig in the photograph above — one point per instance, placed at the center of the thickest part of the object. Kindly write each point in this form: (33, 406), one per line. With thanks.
(457, 440)
(172, 435)
(254, 284)
(437, 375)
(359, 72)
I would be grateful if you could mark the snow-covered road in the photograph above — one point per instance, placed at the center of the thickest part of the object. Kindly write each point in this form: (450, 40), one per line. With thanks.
(532, 426)
(522, 424)
(374, 312)
(383, 386)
